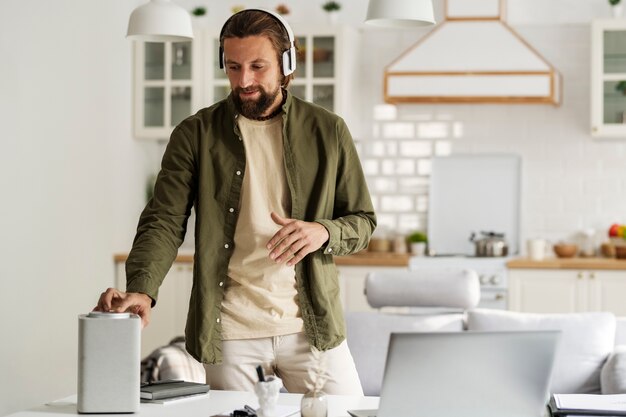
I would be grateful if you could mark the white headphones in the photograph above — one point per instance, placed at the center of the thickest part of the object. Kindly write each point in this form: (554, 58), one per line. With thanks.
(288, 56)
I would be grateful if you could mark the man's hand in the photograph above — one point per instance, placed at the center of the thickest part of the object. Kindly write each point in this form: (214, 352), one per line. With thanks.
(295, 239)
(116, 301)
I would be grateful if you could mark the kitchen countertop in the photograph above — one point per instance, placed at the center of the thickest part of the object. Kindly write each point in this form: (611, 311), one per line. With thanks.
(568, 263)
(362, 258)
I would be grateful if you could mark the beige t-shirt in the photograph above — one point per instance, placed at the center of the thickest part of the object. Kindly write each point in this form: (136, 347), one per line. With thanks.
(260, 299)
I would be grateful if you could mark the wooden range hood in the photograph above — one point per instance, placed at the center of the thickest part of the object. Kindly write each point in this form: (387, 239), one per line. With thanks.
(473, 56)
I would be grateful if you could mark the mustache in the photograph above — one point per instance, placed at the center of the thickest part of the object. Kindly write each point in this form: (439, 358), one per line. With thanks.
(247, 89)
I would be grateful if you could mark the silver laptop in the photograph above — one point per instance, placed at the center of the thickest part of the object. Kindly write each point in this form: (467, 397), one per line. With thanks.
(466, 374)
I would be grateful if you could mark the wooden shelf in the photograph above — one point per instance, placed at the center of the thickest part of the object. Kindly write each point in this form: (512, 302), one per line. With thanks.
(568, 263)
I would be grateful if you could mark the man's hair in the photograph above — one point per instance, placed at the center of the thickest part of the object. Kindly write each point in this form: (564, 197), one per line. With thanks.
(259, 23)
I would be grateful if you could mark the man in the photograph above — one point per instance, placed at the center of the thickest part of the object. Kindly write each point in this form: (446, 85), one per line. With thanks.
(278, 190)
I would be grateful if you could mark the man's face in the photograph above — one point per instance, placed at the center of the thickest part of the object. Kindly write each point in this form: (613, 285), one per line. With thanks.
(254, 75)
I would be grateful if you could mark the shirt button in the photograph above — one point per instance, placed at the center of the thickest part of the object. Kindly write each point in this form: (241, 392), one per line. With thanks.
(231, 209)
(238, 172)
(226, 246)
(221, 283)
(330, 250)
(217, 320)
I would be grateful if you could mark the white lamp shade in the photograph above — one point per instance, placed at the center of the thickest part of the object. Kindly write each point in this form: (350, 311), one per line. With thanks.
(160, 21)
(400, 13)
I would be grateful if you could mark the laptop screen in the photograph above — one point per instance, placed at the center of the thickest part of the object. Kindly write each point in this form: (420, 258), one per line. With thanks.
(468, 374)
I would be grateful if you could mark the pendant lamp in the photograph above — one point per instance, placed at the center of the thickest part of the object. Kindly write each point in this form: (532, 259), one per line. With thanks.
(160, 21)
(400, 13)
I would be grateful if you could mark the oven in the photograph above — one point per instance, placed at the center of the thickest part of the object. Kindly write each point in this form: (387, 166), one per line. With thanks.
(492, 275)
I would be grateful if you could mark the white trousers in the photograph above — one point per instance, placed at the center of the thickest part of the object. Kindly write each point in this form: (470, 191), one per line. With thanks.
(288, 357)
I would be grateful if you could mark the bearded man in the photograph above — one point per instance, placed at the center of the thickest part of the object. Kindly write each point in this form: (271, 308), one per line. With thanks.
(278, 189)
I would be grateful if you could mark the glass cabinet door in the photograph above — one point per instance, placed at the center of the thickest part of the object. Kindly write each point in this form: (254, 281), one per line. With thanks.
(614, 85)
(163, 87)
(315, 76)
(608, 78)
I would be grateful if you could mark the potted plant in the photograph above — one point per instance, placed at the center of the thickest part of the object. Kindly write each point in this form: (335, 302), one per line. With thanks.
(417, 241)
(332, 8)
(198, 11)
(616, 7)
(282, 9)
(621, 87)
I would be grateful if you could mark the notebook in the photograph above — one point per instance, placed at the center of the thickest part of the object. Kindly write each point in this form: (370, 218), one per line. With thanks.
(469, 374)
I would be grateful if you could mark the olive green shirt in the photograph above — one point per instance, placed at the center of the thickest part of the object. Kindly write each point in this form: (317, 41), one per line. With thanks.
(203, 166)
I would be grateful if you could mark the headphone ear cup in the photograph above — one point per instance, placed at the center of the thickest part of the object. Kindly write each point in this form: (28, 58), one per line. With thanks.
(289, 61)
(220, 56)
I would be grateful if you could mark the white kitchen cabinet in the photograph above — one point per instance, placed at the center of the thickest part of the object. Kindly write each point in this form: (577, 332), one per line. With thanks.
(174, 80)
(170, 313)
(608, 69)
(567, 290)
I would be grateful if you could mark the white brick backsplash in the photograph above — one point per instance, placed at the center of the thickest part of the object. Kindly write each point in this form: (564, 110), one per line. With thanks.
(370, 167)
(562, 186)
(386, 221)
(388, 167)
(415, 148)
(413, 185)
(598, 187)
(556, 223)
(443, 148)
(433, 130)
(574, 203)
(382, 185)
(376, 130)
(391, 148)
(385, 112)
(457, 130)
(409, 222)
(424, 166)
(405, 167)
(396, 204)
(377, 149)
(421, 203)
(399, 130)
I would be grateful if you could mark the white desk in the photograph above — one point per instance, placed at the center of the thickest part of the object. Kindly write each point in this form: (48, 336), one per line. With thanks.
(214, 403)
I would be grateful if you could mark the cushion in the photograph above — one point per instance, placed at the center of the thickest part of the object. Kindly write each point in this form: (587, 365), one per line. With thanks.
(587, 339)
(613, 375)
(620, 331)
(441, 287)
(368, 339)
(172, 362)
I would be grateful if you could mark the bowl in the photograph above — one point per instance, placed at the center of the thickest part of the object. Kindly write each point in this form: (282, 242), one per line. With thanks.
(620, 252)
(565, 250)
(608, 250)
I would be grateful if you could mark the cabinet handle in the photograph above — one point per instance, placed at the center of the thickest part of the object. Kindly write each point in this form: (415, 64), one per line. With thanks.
(592, 275)
(580, 275)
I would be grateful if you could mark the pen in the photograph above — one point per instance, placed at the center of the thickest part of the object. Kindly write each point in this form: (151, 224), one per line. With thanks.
(259, 372)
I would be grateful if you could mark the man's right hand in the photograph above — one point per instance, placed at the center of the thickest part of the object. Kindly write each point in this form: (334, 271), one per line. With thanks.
(116, 301)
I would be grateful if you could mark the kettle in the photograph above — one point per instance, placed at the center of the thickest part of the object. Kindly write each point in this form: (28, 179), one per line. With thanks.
(491, 245)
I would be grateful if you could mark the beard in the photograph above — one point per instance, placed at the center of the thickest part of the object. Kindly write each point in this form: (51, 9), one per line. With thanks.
(253, 109)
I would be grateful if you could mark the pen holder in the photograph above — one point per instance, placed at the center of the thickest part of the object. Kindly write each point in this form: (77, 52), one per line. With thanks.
(267, 392)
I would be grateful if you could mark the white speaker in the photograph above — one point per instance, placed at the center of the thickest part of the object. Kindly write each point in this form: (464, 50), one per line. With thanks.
(109, 360)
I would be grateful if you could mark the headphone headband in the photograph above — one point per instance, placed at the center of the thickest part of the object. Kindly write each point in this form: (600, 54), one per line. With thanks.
(288, 56)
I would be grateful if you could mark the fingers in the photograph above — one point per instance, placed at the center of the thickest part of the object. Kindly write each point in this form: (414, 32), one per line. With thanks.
(106, 299)
(286, 230)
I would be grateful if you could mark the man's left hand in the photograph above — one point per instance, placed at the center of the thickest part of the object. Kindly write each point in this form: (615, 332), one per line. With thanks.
(295, 239)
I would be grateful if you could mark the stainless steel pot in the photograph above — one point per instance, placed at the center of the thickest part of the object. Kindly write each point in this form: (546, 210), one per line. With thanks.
(492, 244)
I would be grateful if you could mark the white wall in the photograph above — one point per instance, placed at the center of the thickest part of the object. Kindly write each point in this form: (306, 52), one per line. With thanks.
(72, 177)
